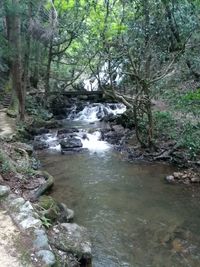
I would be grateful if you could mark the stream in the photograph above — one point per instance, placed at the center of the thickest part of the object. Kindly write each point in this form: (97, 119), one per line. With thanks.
(134, 218)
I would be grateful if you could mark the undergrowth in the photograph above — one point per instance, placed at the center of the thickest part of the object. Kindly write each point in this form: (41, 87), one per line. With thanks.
(185, 133)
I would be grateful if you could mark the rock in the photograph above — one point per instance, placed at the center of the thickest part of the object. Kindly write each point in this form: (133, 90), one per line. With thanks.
(70, 215)
(49, 181)
(112, 137)
(70, 143)
(67, 131)
(67, 215)
(72, 238)
(58, 105)
(4, 190)
(26, 207)
(26, 147)
(170, 179)
(52, 124)
(22, 212)
(53, 210)
(49, 207)
(47, 257)
(109, 118)
(177, 175)
(195, 180)
(15, 203)
(41, 240)
(35, 164)
(118, 129)
(30, 222)
(126, 119)
(38, 131)
(85, 137)
(40, 145)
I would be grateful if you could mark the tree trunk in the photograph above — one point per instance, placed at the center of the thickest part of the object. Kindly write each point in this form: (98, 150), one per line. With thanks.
(48, 67)
(27, 53)
(16, 71)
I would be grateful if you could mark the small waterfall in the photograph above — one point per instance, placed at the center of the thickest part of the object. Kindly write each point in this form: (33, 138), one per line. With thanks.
(93, 142)
(92, 83)
(96, 112)
(90, 141)
(67, 141)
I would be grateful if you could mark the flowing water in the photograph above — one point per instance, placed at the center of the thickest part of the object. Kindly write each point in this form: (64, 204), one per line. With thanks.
(134, 218)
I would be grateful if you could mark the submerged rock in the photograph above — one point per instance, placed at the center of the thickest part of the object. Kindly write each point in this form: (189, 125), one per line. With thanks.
(185, 177)
(74, 239)
(170, 179)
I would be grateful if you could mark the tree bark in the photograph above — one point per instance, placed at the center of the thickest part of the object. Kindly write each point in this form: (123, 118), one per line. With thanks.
(16, 71)
(50, 54)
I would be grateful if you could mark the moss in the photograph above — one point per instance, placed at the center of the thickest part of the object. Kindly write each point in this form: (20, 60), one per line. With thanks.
(13, 109)
(8, 87)
(126, 119)
(49, 208)
(5, 163)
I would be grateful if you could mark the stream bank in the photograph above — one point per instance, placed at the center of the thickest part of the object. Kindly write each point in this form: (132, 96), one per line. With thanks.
(45, 226)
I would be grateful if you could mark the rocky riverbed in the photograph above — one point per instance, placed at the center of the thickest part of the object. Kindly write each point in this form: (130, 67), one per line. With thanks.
(110, 124)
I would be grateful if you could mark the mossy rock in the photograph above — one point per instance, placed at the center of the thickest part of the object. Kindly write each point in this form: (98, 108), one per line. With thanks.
(49, 207)
(12, 113)
(126, 119)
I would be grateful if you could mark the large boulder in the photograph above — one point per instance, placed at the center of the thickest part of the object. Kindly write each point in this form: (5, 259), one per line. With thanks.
(74, 239)
(70, 143)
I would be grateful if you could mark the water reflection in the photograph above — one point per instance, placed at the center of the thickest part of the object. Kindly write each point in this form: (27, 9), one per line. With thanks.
(134, 218)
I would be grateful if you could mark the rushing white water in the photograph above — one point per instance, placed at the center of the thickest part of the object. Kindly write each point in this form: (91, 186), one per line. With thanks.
(93, 143)
(52, 140)
(95, 112)
(92, 84)
(90, 141)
